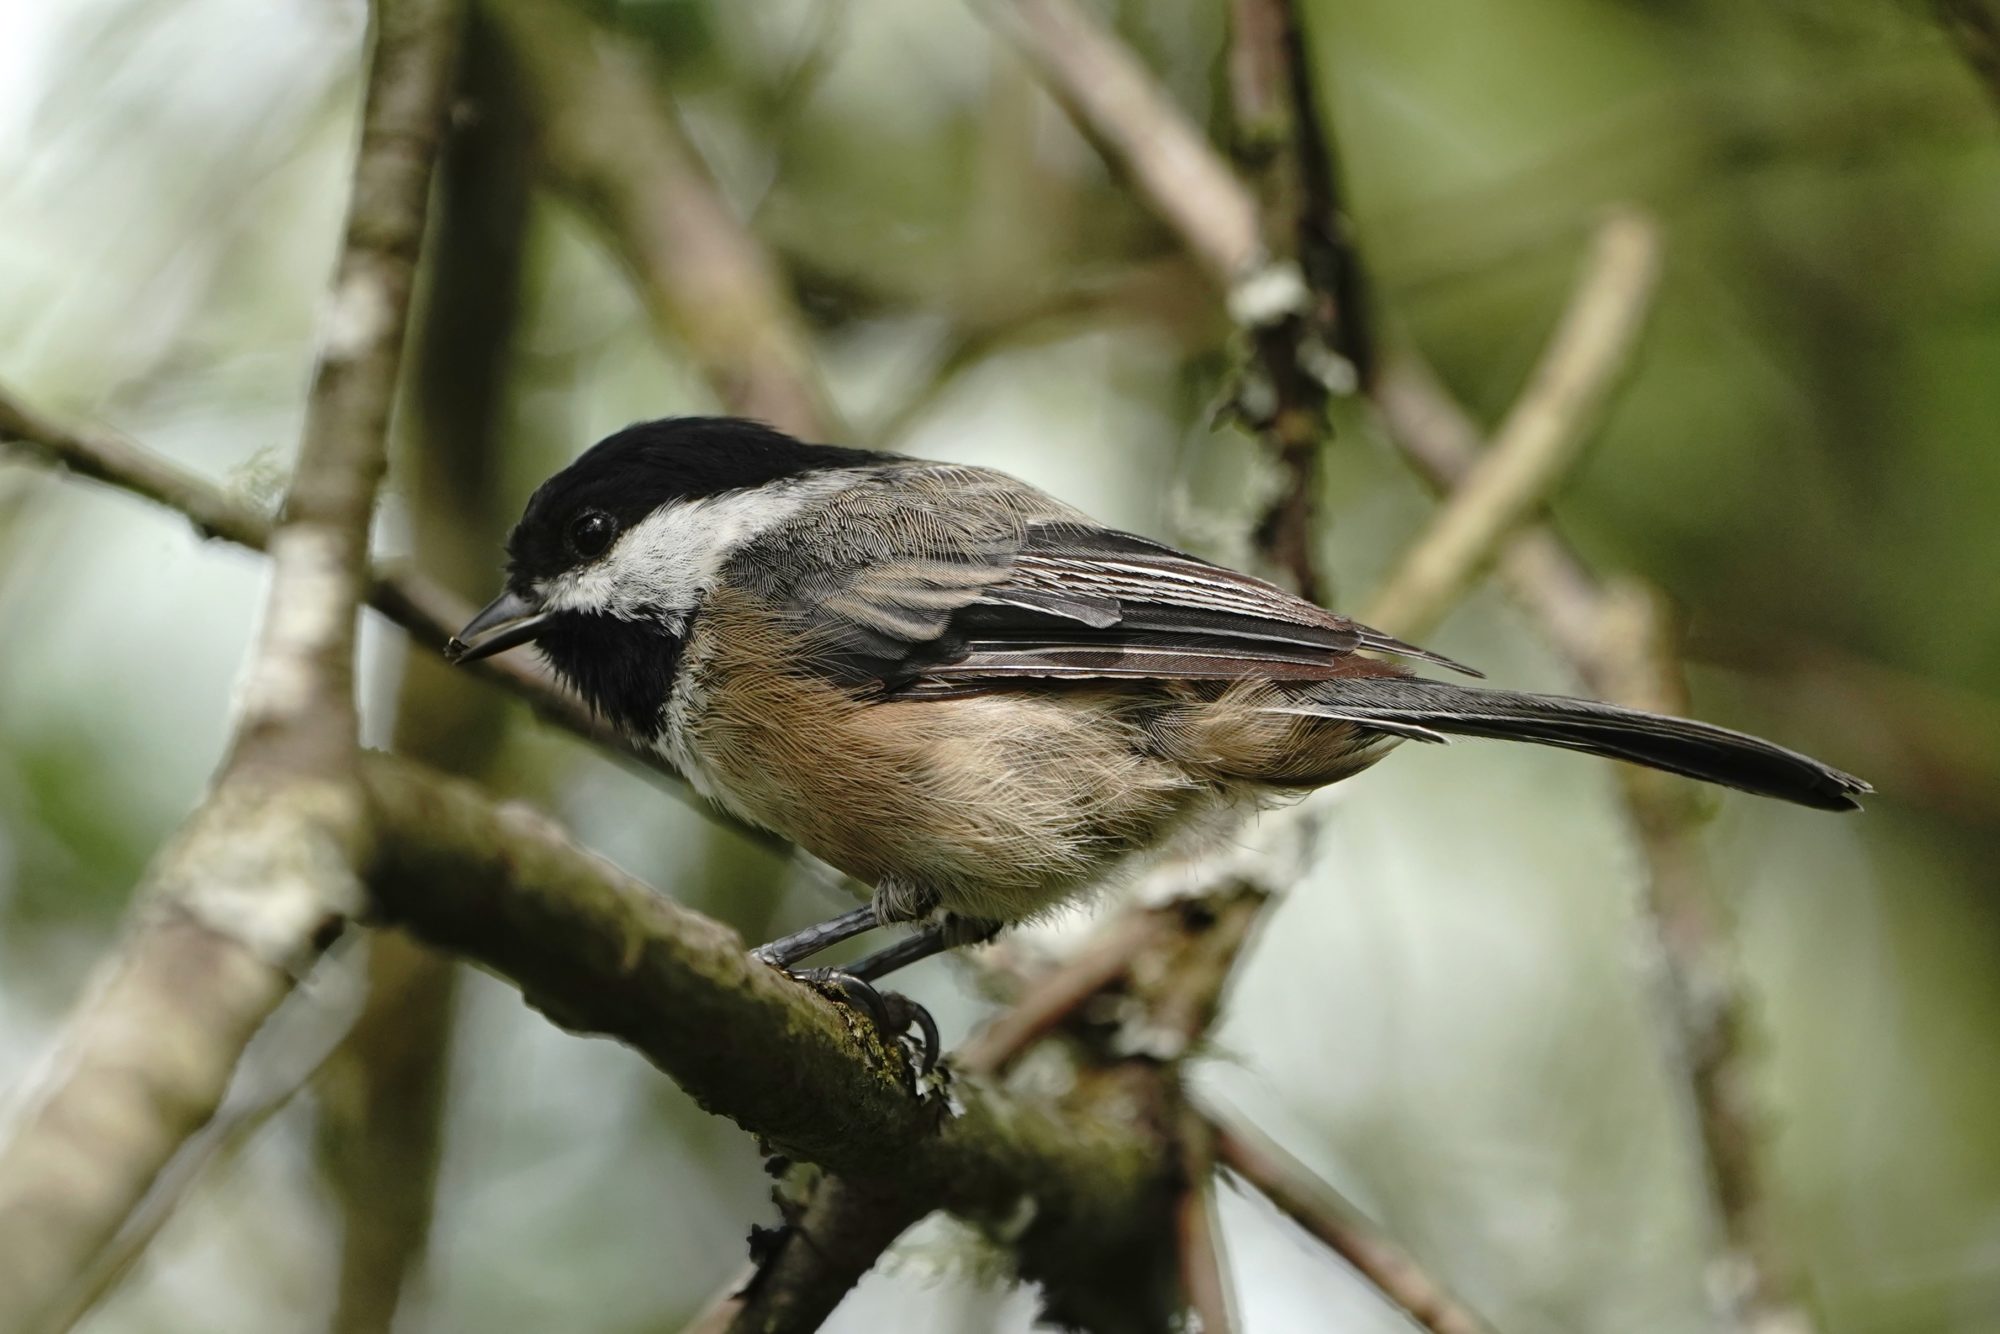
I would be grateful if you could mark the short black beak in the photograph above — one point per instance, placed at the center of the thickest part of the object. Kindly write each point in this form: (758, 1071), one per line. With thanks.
(506, 621)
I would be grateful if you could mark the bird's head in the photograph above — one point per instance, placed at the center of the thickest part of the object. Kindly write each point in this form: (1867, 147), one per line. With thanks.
(613, 554)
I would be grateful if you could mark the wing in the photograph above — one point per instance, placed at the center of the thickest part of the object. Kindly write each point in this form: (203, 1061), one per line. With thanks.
(1081, 601)
(969, 581)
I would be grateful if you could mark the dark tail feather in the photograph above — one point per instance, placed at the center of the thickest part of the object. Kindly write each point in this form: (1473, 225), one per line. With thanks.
(1696, 750)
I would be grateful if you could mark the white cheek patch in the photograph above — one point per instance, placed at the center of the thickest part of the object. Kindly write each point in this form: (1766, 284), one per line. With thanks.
(659, 569)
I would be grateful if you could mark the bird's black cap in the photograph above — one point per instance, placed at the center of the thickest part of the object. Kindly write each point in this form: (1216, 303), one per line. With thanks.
(632, 473)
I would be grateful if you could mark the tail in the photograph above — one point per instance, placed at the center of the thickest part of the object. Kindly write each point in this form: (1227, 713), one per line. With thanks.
(1430, 710)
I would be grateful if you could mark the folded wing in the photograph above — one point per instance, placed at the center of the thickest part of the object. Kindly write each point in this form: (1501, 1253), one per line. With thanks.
(1067, 600)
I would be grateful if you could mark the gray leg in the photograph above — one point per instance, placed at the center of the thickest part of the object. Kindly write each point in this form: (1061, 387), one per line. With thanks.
(788, 950)
(921, 944)
(936, 938)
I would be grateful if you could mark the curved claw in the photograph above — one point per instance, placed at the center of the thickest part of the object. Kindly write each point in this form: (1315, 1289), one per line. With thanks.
(909, 1013)
(892, 1013)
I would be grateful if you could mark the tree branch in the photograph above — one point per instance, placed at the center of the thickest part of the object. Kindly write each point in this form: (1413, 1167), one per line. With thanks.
(1616, 641)
(1975, 26)
(382, 1101)
(1121, 108)
(430, 613)
(599, 952)
(610, 142)
(1319, 1209)
(1067, 50)
(1323, 344)
(1198, 1241)
(256, 884)
(1544, 431)
(1053, 999)
(843, 1232)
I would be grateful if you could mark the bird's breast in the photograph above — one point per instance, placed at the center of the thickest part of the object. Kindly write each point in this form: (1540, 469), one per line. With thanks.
(998, 805)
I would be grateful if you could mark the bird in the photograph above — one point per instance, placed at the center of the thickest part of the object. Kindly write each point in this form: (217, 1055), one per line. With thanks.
(967, 695)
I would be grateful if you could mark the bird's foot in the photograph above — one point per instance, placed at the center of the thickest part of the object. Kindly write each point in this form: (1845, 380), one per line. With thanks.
(893, 1014)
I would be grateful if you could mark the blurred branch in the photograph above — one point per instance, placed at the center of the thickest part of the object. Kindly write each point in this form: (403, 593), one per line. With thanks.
(1285, 137)
(1146, 136)
(610, 140)
(101, 456)
(1198, 1242)
(1615, 640)
(289, 1051)
(1153, 294)
(1322, 344)
(1043, 1008)
(1315, 1206)
(599, 952)
(382, 1105)
(1121, 108)
(257, 883)
(1280, 269)
(819, 1259)
(428, 611)
(1541, 437)
(382, 1100)
(1535, 566)
(1975, 26)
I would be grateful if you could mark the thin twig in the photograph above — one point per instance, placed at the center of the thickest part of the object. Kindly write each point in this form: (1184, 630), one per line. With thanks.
(1323, 342)
(1535, 566)
(1154, 293)
(1198, 1243)
(1615, 640)
(610, 142)
(1117, 103)
(431, 613)
(1319, 1209)
(428, 611)
(1975, 26)
(1052, 999)
(1544, 431)
(257, 883)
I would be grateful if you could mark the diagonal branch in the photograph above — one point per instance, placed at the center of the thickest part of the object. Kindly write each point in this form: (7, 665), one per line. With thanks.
(1316, 1207)
(1615, 639)
(1545, 430)
(1975, 26)
(844, 1230)
(1436, 433)
(1120, 107)
(609, 141)
(599, 952)
(427, 610)
(258, 881)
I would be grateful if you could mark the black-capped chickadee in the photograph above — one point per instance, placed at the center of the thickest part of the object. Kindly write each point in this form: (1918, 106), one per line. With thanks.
(963, 692)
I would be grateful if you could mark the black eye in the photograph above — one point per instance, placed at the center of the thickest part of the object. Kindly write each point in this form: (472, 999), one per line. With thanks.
(591, 532)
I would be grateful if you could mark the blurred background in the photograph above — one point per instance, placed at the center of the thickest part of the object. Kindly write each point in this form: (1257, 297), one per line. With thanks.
(1452, 1017)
